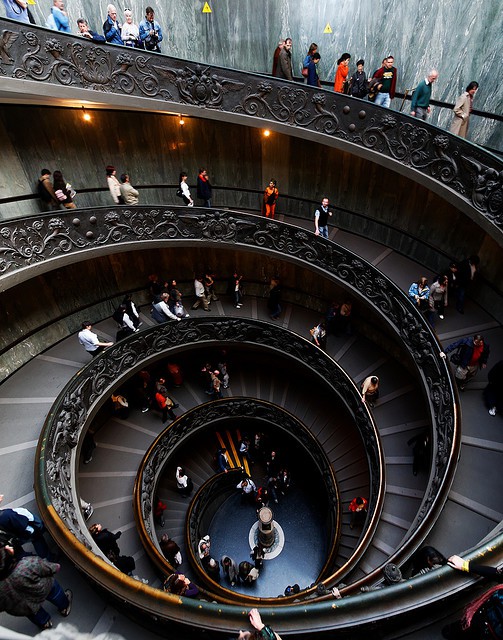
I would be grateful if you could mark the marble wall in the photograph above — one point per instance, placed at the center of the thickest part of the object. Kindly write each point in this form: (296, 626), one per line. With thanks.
(462, 39)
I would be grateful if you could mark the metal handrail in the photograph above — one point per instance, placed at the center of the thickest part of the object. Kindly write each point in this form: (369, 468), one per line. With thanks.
(168, 442)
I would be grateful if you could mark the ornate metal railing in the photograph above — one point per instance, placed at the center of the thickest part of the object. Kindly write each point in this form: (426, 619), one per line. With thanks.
(270, 414)
(39, 243)
(57, 495)
(167, 444)
(456, 169)
(82, 397)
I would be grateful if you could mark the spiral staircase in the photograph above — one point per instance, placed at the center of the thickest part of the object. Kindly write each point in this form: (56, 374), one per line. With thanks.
(445, 507)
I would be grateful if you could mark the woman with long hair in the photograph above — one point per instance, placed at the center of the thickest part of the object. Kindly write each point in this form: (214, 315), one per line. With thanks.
(483, 617)
(114, 185)
(63, 190)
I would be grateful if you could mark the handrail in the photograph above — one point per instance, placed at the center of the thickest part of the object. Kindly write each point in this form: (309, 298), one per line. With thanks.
(78, 403)
(456, 169)
(331, 261)
(167, 443)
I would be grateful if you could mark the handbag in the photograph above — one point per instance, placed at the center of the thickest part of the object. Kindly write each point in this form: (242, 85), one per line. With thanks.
(179, 193)
(305, 72)
(461, 373)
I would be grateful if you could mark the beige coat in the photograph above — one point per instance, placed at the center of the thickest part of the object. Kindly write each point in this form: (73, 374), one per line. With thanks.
(461, 118)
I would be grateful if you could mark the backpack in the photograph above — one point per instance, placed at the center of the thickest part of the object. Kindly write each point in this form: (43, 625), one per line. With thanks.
(372, 87)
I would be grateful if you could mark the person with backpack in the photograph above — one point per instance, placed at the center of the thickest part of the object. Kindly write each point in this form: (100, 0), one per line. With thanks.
(25, 584)
(63, 191)
(46, 192)
(358, 84)
(483, 617)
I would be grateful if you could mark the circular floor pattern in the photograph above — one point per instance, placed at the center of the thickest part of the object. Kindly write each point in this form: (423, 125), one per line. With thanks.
(277, 546)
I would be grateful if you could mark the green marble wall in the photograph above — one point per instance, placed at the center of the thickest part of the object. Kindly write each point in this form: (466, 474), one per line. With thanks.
(462, 39)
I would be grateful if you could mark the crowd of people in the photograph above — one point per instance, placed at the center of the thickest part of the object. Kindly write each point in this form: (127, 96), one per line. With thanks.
(379, 87)
(145, 35)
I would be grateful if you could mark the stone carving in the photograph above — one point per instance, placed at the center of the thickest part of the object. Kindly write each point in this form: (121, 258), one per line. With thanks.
(199, 86)
(67, 60)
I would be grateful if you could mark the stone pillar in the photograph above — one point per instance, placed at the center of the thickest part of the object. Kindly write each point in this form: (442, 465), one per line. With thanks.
(266, 532)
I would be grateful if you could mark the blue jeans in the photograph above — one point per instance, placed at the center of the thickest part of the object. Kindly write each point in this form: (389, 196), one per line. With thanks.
(323, 232)
(58, 598)
(383, 99)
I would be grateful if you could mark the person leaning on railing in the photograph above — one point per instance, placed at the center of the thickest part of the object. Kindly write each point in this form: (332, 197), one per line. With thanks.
(483, 617)
(262, 631)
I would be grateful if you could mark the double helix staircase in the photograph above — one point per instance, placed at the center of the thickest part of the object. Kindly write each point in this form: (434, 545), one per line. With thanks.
(472, 512)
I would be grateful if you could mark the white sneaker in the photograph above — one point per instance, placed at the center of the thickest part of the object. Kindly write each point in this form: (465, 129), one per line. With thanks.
(492, 411)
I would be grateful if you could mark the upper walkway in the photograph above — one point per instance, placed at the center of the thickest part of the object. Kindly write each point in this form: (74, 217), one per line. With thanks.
(42, 66)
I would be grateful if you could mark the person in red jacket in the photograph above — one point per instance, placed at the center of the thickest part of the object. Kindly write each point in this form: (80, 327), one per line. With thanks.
(358, 510)
(342, 72)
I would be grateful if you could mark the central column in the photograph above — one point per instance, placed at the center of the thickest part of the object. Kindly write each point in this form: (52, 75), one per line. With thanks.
(266, 532)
